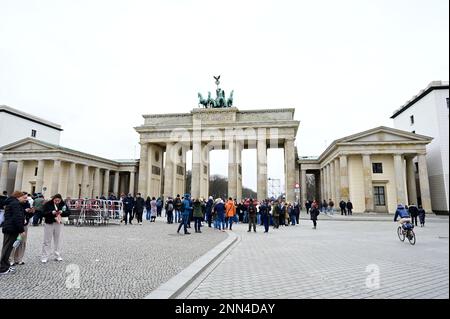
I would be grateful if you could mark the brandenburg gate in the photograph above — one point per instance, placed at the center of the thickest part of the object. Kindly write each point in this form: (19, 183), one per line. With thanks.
(213, 128)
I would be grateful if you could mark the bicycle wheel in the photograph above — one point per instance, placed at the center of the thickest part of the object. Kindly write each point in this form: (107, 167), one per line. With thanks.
(412, 237)
(400, 233)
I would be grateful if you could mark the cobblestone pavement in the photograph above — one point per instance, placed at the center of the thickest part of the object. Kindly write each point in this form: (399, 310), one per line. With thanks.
(114, 261)
(335, 261)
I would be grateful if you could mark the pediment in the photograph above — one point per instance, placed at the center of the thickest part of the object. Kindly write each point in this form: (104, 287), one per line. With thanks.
(27, 145)
(382, 135)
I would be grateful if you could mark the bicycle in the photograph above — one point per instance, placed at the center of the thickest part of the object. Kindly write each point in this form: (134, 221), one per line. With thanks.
(406, 231)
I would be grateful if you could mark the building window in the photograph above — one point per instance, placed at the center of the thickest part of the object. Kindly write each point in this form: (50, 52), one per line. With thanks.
(156, 170)
(35, 171)
(205, 169)
(411, 119)
(180, 170)
(33, 133)
(377, 168)
(379, 196)
(416, 165)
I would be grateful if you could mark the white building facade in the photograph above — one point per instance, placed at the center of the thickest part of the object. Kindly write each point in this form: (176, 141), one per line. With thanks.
(428, 114)
(16, 125)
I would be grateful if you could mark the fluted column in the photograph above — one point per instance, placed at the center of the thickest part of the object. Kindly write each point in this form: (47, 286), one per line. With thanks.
(322, 189)
(344, 185)
(332, 182)
(143, 171)
(232, 172)
(303, 189)
(424, 183)
(4, 176)
(289, 157)
(368, 186)
(131, 186)
(196, 167)
(19, 176)
(85, 181)
(327, 182)
(261, 169)
(116, 183)
(106, 183)
(96, 187)
(40, 176)
(400, 179)
(411, 181)
(238, 154)
(337, 180)
(71, 180)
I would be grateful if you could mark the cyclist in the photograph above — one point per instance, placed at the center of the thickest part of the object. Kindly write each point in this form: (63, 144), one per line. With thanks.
(402, 212)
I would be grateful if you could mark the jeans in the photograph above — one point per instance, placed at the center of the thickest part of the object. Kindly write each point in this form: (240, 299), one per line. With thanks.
(265, 220)
(148, 213)
(197, 223)
(245, 217)
(139, 216)
(294, 219)
(230, 222)
(221, 222)
(37, 218)
(258, 219)
(125, 216)
(169, 217)
(177, 216)
(184, 222)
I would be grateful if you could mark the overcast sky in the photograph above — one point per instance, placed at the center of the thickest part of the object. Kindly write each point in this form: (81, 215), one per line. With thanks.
(96, 66)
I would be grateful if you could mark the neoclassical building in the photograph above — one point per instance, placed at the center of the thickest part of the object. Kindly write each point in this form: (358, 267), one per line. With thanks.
(374, 169)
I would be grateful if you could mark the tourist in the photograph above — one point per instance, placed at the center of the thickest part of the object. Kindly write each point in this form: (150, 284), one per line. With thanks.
(251, 216)
(159, 206)
(169, 210)
(297, 212)
(292, 216)
(324, 206)
(197, 214)
(154, 210)
(265, 215)
(185, 210)
(314, 213)
(276, 214)
(148, 208)
(139, 205)
(13, 226)
(307, 206)
(342, 206)
(414, 213)
(331, 207)
(219, 209)
(17, 254)
(177, 203)
(230, 212)
(245, 210)
(128, 205)
(54, 210)
(208, 212)
(349, 207)
(421, 216)
(38, 206)
(282, 216)
(3, 199)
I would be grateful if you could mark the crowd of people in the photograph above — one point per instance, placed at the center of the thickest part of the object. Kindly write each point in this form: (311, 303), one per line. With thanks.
(18, 211)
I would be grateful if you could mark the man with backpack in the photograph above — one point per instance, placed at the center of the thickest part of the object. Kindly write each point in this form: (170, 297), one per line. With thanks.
(169, 210)
(177, 205)
(38, 205)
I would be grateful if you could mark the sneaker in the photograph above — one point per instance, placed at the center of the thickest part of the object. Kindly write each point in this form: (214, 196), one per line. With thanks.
(58, 258)
(9, 271)
(44, 261)
(140, 223)
(188, 233)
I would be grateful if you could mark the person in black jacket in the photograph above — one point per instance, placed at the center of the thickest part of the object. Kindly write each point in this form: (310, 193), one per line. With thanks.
(17, 254)
(414, 213)
(13, 226)
(53, 212)
(349, 207)
(139, 205)
(314, 213)
(128, 204)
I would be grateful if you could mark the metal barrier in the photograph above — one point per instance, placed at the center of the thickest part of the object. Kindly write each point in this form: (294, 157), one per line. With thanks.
(94, 211)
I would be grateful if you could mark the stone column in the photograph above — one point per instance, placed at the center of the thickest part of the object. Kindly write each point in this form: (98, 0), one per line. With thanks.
(71, 180)
(400, 179)
(96, 187)
(411, 181)
(143, 171)
(4, 176)
(368, 188)
(332, 182)
(344, 186)
(19, 176)
(169, 171)
(317, 187)
(232, 171)
(303, 189)
(337, 181)
(261, 169)
(322, 190)
(131, 186)
(85, 182)
(106, 183)
(327, 182)
(238, 154)
(40, 176)
(196, 167)
(424, 183)
(55, 176)
(289, 157)
(116, 184)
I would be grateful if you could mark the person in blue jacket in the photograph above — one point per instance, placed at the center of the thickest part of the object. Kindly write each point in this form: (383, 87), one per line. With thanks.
(402, 212)
(186, 210)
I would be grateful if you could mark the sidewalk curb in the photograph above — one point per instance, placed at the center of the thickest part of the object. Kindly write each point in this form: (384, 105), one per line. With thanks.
(172, 288)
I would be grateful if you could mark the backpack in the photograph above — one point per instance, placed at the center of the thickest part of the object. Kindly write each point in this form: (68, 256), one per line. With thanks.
(170, 207)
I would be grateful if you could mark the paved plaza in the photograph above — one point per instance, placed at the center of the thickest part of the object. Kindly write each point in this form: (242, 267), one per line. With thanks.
(114, 261)
(334, 261)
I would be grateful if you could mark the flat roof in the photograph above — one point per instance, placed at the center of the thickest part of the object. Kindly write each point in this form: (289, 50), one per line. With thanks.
(29, 117)
(435, 85)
